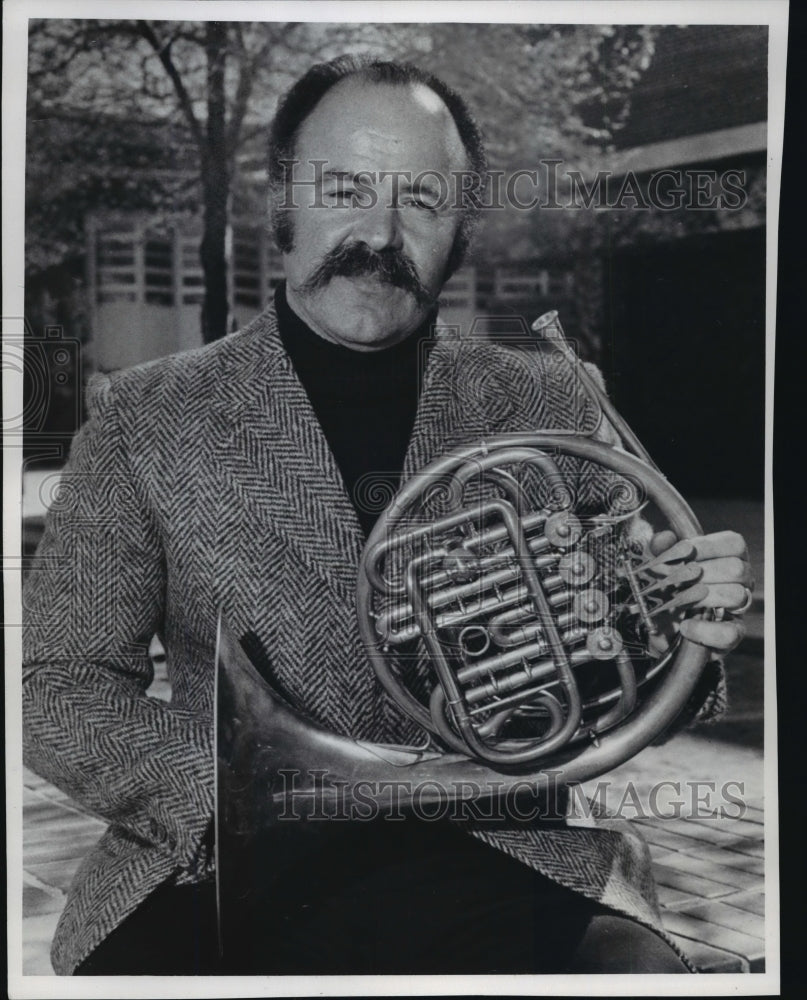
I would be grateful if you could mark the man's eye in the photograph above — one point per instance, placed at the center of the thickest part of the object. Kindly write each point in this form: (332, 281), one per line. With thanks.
(424, 202)
(342, 196)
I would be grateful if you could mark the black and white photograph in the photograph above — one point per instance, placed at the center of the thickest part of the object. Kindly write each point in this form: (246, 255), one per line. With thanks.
(388, 542)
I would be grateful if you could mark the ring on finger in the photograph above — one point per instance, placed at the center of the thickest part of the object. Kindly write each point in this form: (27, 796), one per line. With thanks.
(749, 597)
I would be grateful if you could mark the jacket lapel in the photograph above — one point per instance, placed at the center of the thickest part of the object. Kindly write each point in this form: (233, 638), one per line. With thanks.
(429, 415)
(274, 454)
(444, 418)
(276, 457)
(475, 388)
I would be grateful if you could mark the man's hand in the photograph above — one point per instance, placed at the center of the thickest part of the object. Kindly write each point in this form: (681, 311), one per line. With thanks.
(723, 557)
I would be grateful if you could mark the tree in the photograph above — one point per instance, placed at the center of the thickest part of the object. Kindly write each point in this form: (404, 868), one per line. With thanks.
(135, 75)
(206, 84)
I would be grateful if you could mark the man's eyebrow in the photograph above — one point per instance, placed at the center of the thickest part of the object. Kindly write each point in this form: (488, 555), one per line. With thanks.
(340, 175)
(420, 184)
(405, 178)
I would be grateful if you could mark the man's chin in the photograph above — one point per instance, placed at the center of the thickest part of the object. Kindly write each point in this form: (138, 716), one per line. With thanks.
(367, 313)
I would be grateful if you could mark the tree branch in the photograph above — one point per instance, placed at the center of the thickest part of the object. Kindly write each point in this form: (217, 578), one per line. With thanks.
(163, 53)
(246, 78)
(249, 67)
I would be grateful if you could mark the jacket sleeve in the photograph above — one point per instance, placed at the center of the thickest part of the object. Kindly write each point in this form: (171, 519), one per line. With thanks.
(93, 600)
(708, 701)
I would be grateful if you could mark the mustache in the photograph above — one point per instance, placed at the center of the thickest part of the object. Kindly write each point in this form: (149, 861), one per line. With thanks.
(358, 260)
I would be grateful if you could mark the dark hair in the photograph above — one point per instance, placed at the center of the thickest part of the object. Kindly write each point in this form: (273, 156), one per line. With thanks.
(298, 103)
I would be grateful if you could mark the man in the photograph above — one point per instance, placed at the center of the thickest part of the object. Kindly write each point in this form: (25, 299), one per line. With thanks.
(231, 478)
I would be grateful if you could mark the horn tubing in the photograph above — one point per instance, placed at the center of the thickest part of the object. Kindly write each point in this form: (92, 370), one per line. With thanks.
(549, 324)
(529, 456)
(663, 704)
(456, 699)
(437, 599)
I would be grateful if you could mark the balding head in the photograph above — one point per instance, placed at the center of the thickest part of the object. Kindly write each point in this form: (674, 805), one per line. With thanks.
(426, 90)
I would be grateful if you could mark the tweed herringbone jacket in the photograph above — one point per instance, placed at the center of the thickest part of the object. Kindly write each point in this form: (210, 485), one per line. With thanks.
(203, 481)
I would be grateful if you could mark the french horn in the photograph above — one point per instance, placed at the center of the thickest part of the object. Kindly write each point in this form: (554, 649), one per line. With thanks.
(545, 620)
(529, 632)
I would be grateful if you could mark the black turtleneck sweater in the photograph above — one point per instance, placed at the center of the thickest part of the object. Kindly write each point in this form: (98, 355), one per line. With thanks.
(365, 402)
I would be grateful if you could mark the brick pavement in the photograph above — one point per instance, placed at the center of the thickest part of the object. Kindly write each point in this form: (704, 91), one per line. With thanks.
(56, 836)
(709, 868)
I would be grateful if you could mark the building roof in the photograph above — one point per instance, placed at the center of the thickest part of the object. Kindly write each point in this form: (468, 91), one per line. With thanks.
(702, 79)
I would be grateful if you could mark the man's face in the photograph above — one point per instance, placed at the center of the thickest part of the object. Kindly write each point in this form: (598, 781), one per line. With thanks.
(370, 250)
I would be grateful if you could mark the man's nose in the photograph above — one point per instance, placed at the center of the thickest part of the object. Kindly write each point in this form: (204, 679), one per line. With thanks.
(379, 227)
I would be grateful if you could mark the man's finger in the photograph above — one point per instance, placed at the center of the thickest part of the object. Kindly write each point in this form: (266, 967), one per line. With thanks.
(724, 595)
(662, 541)
(714, 546)
(722, 636)
(727, 569)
